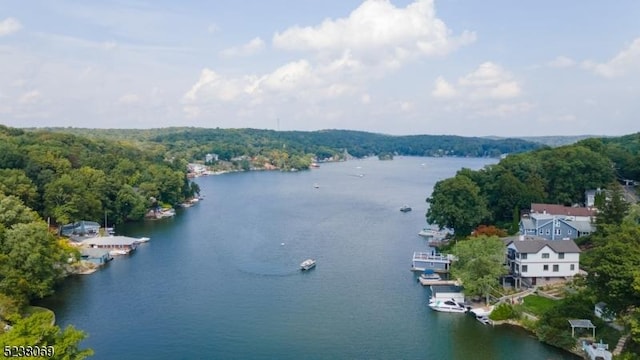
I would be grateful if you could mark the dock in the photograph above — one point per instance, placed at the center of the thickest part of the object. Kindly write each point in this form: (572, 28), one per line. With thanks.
(425, 282)
(434, 261)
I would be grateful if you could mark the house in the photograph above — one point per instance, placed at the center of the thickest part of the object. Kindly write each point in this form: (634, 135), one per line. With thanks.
(80, 228)
(570, 212)
(554, 227)
(447, 292)
(123, 243)
(534, 261)
(95, 255)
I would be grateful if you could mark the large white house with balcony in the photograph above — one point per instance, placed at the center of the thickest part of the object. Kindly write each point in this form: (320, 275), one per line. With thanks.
(535, 261)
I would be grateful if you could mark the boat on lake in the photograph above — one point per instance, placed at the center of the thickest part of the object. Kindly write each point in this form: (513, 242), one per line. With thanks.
(447, 306)
(143, 239)
(429, 277)
(405, 208)
(307, 264)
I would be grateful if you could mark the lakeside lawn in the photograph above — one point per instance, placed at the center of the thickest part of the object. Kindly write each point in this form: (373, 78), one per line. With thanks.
(537, 305)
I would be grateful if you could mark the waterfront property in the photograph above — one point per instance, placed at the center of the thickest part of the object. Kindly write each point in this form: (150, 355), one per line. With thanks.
(447, 292)
(95, 255)
(422, 261)
(555, 222)
(122, 244)
(80, 228)
(536, 261)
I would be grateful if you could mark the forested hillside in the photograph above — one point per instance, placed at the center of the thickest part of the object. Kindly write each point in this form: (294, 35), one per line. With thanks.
(66, 177)
(194, 143)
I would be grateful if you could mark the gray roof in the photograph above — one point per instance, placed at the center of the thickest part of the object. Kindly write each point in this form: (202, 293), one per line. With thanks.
(93, 252)
(445, 288)
(582, 226)
(528, 223)
(532, 246)
(110, 241)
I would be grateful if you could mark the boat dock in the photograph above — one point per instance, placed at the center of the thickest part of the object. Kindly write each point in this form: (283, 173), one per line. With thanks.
(434, 261)
(425, 282)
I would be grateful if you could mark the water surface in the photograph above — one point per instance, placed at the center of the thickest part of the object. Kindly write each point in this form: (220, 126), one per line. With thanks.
(221, 280)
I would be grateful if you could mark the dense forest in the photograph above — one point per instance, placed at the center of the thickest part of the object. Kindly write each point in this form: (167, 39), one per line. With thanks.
(194, 143)
(494, 197)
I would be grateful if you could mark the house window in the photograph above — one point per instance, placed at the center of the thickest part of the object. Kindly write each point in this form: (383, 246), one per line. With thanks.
(545, 268)
(569, 231)
(557, 231)
(545, 255)
(525, 268)
(572, 267)
(548, 232)
(561, 256)
(523, 256)
(556, 268)
(557, 223)
(517, 267)
(540, 232)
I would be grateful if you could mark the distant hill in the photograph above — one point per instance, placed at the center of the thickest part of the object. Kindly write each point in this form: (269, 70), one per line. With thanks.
(552, 140)
(195, 142)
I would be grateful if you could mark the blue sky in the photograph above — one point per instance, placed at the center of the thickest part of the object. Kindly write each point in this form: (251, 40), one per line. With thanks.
(460, 67)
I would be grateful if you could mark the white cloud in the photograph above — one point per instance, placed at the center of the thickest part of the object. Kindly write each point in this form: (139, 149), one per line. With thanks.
(490, 80)
(30, 97)
(9, 26)
(561, 62)
(377, 32)
(252, 47)
(129, 99)
(443, 89)
(626, 61)
(365, 98)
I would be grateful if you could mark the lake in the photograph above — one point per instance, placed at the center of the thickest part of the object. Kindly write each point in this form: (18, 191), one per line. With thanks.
(221, 280)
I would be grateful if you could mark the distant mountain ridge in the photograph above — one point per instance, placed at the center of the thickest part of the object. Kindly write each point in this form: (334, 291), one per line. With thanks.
(196, 142)
(552, 140)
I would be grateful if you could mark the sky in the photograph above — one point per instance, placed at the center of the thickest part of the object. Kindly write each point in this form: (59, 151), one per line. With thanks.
(439, 67)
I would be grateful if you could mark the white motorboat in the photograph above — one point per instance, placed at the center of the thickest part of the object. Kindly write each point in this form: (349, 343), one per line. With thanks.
(307, 264)
(484, 319)
(447, 306)
(143, 239)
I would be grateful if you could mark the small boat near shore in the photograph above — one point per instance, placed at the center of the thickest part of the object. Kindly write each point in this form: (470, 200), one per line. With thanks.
(307, 264)
(405, 208)
(143, 239)
(447, 306)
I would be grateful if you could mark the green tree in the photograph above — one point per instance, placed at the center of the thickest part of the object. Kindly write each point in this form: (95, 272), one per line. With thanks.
(612, 264)
(456, 203)
(615, 207)
(30, 261)
(38, 330)
(479, 264)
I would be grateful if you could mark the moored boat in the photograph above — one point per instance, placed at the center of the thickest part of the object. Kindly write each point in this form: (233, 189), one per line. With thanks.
(447, 306)
(405, 208)
(307, 264)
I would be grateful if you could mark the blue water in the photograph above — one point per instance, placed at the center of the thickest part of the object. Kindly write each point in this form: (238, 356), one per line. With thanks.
(221, 280)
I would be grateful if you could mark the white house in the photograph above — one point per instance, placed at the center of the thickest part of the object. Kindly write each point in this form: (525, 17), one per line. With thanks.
(535, 261)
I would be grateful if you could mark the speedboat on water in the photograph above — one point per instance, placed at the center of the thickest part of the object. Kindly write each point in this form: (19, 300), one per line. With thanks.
(405, 208)
(307, 264)
(447, 306)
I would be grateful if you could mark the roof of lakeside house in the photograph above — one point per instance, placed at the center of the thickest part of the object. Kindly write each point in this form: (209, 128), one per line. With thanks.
(94, 253)
(531, 245)
(555, 209)
(445, 289)
(110, 241)
(531, 223)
